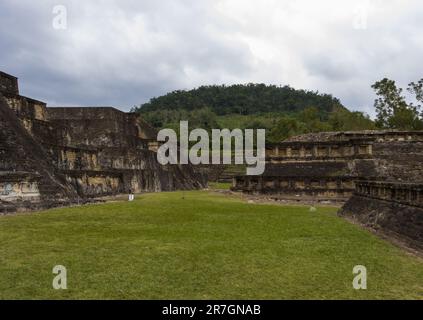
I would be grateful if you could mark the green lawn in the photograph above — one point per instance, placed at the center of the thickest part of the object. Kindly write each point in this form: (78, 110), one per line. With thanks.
(198, 245)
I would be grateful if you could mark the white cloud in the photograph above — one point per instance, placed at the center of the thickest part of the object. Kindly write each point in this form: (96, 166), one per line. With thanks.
(125, 52)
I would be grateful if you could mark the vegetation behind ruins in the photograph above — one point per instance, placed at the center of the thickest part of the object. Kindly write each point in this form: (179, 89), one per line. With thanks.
(244, 99)
(282, 111)
(394, 110)
(198, 245)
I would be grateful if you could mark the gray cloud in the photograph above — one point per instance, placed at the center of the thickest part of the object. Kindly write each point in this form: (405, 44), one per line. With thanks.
(124, 52)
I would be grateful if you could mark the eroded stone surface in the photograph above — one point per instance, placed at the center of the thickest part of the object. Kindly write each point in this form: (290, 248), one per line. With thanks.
(378, 173)
(59, 156)
(395, 209)
(325, 166)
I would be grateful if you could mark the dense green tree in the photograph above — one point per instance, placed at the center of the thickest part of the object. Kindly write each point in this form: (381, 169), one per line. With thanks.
(393, 111)
(256, 123)
(203, 118)
(350, 121)
(286, 127)
(199, 118)
(417, 90)
(312, 120)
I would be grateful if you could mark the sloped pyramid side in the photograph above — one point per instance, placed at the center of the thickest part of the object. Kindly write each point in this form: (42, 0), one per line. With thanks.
(20, 152)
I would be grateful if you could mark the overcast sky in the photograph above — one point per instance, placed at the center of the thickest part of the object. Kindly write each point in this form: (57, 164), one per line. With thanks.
(124, 52)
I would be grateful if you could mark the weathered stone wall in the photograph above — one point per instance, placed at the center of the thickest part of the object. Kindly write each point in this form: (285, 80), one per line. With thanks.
(320, 170)
(297, 187)
(404, 193)
(26, 108)
(8, 83)
(372, 135)
(399, 161)
(333, 166)
(55, 156)
(395, 209)
(98, 127)
(19, 186)
(319, 150)
(26, 169)
(328, 168)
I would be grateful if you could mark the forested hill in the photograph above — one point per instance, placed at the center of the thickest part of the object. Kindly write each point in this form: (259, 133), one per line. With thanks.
(282, 111)
(243, 100)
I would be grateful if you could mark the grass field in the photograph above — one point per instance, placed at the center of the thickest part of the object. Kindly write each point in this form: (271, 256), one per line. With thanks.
(198, 245)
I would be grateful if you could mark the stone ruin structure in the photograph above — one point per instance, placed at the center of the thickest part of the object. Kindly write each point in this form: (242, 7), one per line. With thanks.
(59, 156)
(378, 174)
(394, 208)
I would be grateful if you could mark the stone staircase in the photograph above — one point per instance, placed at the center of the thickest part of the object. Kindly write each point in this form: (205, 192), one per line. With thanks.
(231, 171)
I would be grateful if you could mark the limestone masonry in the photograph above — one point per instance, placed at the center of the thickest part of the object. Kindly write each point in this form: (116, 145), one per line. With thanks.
(60, 156)
(378, 173)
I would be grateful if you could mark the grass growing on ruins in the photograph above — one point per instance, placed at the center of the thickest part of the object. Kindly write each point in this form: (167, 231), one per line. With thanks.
(220, 185)
(198, 245)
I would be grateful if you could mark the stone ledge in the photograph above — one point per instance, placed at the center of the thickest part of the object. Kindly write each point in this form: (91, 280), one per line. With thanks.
(404, 221)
